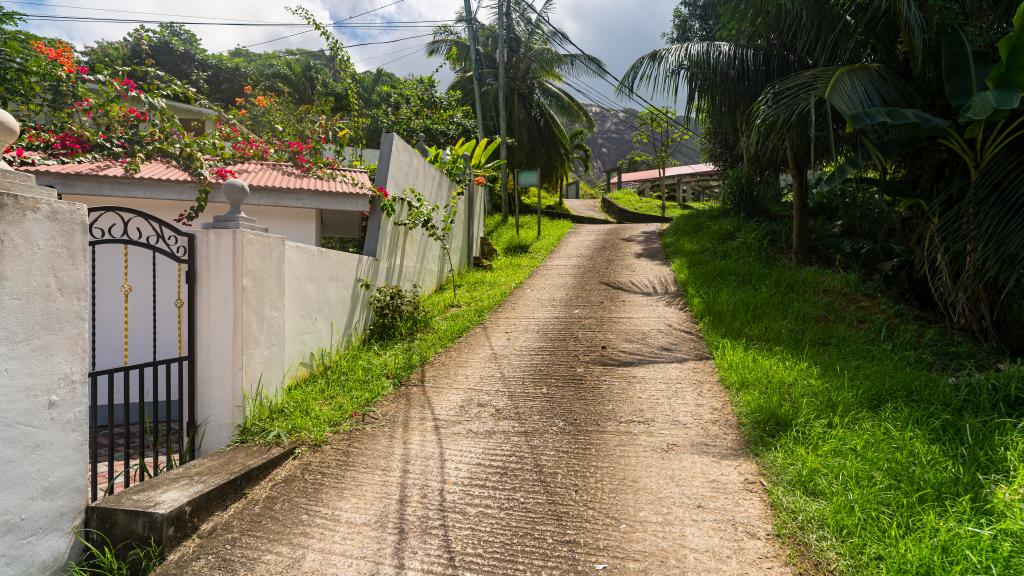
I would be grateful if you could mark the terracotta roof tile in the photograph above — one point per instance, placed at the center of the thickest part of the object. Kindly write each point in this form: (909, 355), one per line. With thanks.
(256, 174)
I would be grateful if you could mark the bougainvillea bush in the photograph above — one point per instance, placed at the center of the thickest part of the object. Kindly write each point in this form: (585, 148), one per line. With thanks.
(74, 114)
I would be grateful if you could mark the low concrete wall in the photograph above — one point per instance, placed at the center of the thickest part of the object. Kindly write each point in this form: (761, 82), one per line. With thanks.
(44, 283)
(264, 304)
(624, 216)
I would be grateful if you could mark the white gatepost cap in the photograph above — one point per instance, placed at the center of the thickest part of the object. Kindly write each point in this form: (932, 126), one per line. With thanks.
(236, 191)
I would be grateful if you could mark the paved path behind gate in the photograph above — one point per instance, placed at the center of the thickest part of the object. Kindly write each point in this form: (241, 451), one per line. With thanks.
(580, 430)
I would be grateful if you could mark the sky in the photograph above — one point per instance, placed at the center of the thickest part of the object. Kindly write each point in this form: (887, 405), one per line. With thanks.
(617, 31)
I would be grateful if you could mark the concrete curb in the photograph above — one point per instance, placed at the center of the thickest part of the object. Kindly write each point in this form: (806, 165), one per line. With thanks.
(168, 509)
(575, 218)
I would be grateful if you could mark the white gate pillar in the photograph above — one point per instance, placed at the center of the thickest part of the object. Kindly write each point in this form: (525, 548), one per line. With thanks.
(240, 318)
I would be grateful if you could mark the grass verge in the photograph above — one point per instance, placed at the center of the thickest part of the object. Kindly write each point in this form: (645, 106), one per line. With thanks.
(346, 383)
(890, 444)
(630, 200)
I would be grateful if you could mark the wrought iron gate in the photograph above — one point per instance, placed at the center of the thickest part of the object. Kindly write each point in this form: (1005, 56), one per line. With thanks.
(142, 372)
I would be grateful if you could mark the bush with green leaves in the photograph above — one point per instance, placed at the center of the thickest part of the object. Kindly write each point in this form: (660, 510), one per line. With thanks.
(397, 313)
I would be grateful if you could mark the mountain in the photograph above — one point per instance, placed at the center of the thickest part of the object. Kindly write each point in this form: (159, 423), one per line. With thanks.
(612, 140)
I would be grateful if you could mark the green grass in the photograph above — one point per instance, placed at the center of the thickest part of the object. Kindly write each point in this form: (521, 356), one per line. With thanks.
(344, 384)
(630, 200)
(890, 444)
(549, 202)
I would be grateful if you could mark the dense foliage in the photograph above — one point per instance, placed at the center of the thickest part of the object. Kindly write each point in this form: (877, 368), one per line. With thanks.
(898, 122)
(890, 443)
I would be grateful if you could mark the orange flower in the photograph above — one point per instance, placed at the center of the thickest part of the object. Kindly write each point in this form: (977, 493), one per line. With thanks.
(247, 89)
(239, 101)
(243, 112)
(61, 53)
(261, 101)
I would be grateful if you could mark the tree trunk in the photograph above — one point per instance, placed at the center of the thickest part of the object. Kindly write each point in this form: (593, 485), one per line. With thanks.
(561, 195)
(798, 170)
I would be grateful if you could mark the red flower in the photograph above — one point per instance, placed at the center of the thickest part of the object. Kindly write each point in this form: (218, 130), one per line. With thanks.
(83, 70)
(20, 152)
(225, 173)
(382, 192)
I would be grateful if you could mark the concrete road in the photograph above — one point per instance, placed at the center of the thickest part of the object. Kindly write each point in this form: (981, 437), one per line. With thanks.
(587, 207)
(580, 430)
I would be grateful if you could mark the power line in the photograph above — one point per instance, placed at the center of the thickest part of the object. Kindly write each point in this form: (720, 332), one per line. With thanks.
(323, 50)
(418, 48)
(394, 52)
(252, 24)
(121, 11)
(603, 73)
(628, 119)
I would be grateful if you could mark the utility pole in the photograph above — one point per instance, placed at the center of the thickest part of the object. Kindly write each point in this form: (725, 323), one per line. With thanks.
(471, 24)
(502, 120)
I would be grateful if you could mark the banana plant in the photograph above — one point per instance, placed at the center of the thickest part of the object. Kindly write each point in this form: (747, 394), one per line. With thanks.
(450, 159)
(987, 98)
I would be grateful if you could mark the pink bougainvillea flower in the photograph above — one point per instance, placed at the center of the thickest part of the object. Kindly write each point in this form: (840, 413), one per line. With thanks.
(20, 152)
(225, 173)
(366, 214)
(83, 70)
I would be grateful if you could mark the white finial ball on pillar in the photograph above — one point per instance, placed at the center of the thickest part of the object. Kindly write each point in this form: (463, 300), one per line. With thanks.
(9, 132)
(236, 191)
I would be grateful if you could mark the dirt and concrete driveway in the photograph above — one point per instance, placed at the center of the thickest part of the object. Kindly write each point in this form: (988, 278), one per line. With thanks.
(580, 430)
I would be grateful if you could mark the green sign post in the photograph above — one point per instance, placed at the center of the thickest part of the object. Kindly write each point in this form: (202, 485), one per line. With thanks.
(528, 179)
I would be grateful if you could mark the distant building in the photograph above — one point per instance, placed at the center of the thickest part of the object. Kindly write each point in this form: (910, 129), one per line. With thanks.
(696, 181)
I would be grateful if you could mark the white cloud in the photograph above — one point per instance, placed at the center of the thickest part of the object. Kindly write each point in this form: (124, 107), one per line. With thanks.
(616, 31)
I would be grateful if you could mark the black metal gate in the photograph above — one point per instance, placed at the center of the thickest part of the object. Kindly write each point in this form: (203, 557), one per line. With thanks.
(142, 372)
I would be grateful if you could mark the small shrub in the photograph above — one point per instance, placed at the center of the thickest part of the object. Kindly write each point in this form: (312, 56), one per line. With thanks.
(397, 313)
(102, 559)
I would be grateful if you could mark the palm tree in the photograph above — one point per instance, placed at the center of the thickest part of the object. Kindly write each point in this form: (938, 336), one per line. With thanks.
(538, 108)
(761, 82)
(581, 158)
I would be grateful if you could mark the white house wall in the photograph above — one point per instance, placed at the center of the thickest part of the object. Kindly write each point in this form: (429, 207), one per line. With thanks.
(44, 280)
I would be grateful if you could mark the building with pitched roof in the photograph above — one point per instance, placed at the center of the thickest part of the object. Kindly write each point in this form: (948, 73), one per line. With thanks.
(290, 203)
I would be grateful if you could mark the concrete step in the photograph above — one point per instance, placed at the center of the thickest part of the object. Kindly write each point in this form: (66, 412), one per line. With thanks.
(169, 508)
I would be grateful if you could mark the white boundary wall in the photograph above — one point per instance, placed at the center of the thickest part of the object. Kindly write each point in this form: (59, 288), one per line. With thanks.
(44, 287)
(264, 304)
